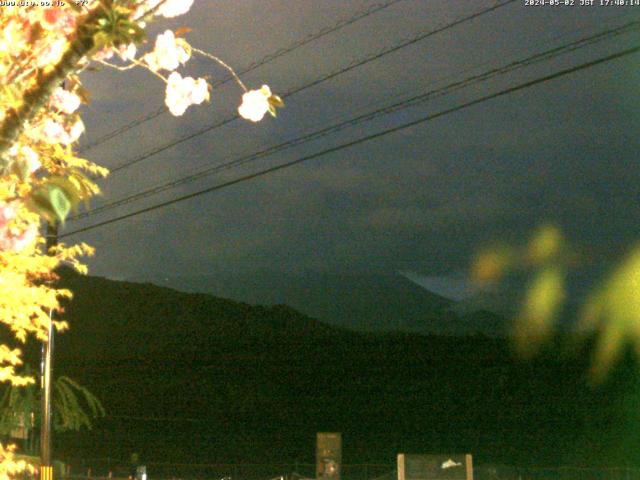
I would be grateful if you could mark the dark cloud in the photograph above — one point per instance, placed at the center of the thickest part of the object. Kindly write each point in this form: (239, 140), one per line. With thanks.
(424, 198)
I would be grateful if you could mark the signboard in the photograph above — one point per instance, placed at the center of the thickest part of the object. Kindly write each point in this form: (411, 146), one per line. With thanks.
(435, 467)
(141, 472)
(328, 455)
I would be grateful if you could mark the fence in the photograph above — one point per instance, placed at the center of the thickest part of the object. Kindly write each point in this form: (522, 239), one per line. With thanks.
(105, 467)
(101, 469)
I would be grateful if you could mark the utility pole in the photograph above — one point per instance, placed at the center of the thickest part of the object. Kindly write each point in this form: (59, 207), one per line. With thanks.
(46, 370)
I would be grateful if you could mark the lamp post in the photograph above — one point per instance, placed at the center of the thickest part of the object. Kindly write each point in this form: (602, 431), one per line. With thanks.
(46, 370)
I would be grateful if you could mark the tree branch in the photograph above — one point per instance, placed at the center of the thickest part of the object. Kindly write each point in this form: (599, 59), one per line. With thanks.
(35, 98)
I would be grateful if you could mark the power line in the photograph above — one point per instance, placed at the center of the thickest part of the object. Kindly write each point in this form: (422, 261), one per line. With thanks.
(364, 139)
(324, 78)
(264, 60)
(410, 102)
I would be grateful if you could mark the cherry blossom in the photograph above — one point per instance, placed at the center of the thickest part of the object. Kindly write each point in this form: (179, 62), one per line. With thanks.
(52, 53)
(14, 38)
(56, 18)
(19, 240)
(104, 54)
(75, 131)
(32, 158)
(54, 132)
(39, 49)
(65, 101)
(168, 9)
(127, 52)
(183, 92)
(255, 103)
(168, 53)
(7, 213)
(12, 238)
(174, 8)
(27, 154)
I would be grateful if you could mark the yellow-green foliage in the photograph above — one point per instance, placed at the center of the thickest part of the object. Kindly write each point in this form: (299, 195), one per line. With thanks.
(42, 179)
(74, 407)
(42, 53)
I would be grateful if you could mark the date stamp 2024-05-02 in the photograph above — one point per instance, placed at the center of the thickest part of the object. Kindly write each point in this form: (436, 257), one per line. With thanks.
(581, 3)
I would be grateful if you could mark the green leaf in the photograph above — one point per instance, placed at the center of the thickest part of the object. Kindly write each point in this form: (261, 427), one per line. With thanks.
(39, 203)
(613, 310)
(101, 40)
(67, 186)
(541, 305)
(60, 203)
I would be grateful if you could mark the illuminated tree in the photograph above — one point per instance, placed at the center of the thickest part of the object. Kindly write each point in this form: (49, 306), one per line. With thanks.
(43, 51)
(74, 407)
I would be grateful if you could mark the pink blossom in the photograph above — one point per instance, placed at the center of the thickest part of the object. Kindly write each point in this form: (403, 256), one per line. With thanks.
(12, 238)
(28, 155)
(60, 19)
(20, 240)
(52, 53)
(54, 132)
(65, 101)
(183, 92)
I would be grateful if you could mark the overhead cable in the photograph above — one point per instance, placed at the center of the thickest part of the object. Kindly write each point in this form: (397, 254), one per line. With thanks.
(388, 109)
(354, 64)
(376, 7)
(363, 139)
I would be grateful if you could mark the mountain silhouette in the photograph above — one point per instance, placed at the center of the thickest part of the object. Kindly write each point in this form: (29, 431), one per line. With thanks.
(372, 302)
(191, 378)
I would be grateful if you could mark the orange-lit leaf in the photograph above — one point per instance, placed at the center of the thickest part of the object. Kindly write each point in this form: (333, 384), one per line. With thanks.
(182, 31)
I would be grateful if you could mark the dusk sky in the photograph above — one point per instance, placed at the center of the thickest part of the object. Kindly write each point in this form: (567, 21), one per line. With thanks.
(422, 199)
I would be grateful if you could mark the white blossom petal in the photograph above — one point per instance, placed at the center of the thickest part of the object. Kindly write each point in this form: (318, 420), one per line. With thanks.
(168, 53)
(255, 104)
(127, 52)
(65, 101)
(183, 92)
(76, 130)
(174, 8)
